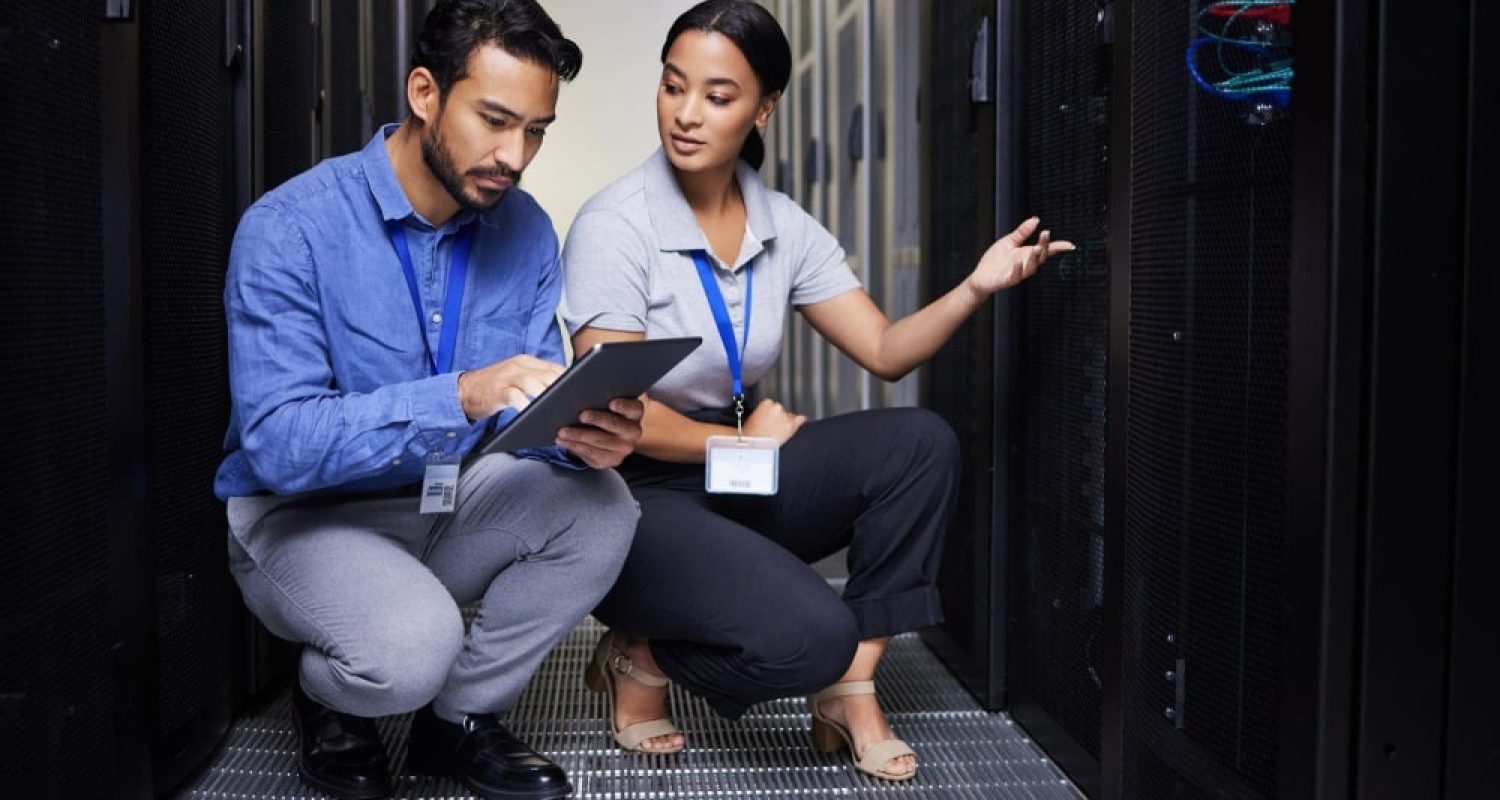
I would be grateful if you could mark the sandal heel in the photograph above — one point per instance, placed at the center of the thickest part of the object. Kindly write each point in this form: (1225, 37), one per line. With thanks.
(826, 738)
(596, 677)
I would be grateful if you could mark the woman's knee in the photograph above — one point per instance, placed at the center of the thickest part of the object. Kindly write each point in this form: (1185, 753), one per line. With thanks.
(931, 438)
(802, 653)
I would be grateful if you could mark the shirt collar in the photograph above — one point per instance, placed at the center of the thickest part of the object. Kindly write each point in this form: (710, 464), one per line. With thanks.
(672, 218)
(394, 205)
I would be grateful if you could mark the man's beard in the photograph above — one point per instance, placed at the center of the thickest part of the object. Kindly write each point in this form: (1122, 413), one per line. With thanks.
(440, 163)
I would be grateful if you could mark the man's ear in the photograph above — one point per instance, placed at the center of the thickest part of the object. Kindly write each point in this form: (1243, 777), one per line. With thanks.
(422, 94)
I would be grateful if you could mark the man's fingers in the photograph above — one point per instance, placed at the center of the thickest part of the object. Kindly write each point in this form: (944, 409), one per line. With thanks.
(513, 397)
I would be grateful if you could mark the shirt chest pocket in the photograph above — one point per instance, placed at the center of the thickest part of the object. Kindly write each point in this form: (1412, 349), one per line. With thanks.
(497, 336)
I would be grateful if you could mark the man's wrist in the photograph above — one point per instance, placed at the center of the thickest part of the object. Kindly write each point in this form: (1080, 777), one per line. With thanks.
(463, 396)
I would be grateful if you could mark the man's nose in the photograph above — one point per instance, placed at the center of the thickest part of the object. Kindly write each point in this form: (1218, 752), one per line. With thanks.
(510, 151)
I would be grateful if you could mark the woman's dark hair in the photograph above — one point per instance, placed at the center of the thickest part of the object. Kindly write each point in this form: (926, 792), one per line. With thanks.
(758, 36)
(454, 29)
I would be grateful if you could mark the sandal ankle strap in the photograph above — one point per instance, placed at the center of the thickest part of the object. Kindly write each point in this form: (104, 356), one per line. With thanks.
(620, 662)
(845, 689)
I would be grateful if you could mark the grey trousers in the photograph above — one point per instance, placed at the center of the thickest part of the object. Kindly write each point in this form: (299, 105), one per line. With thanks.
(372, 588)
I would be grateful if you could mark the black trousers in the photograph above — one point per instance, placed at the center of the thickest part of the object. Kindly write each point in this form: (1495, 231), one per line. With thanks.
(721, 584)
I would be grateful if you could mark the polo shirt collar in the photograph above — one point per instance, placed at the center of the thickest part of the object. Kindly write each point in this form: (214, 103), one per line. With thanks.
(672, 218)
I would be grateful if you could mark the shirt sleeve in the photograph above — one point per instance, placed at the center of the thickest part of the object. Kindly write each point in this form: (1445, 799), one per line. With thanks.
(822, 267)
(299, 431)
(606, 274)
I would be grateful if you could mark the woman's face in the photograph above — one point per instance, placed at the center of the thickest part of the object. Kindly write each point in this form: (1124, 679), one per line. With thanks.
(708, 101)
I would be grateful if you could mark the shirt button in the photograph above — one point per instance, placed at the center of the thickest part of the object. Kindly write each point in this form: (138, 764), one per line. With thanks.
(437, 317)
(452, 434)
(395, 462)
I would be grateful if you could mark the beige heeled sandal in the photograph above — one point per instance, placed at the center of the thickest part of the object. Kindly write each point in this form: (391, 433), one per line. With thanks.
(829, 736)
(609, 657)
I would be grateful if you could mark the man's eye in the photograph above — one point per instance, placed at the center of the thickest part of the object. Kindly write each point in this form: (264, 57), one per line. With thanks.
(494, 122)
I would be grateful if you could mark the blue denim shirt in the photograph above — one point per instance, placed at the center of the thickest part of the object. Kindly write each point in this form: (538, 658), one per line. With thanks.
(329, 382)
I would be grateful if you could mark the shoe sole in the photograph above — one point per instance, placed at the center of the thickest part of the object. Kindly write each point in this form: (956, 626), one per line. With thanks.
(423, 764)
(336, 790)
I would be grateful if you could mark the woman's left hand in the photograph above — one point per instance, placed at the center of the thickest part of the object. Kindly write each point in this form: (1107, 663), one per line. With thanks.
(1010, 260)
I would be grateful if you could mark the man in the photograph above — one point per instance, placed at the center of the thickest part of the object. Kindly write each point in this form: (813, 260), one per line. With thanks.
(383, 308)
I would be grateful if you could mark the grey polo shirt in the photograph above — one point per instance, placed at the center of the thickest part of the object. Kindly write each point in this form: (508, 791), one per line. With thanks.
(628, 266)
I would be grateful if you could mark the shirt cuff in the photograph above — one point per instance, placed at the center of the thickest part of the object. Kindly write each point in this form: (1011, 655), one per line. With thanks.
(435, 407)
(554, 455)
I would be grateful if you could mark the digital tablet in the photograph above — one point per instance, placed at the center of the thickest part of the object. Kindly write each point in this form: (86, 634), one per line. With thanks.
(606, 371)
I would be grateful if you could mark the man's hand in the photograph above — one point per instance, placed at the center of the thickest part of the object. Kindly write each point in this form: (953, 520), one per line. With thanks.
(512, 382)
(605, 438)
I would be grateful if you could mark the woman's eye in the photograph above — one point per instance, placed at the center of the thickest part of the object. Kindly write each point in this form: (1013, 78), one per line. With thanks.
(670, 89)
(537, 132)
(719, 101)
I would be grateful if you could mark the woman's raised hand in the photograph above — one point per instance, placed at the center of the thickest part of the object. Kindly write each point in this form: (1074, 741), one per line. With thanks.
(1010, 260)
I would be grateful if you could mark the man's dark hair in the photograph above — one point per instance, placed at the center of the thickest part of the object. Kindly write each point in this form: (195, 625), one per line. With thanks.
(454, 29)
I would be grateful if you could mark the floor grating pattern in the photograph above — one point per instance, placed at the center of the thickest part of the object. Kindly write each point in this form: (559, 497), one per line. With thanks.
(965, 752)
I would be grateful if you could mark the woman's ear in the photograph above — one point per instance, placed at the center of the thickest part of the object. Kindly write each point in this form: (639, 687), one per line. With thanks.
(767, 105)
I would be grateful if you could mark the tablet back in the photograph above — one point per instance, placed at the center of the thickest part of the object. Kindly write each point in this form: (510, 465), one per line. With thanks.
(607, 370)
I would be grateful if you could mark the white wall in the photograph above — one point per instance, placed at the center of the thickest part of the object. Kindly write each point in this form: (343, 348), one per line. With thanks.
(606, 118)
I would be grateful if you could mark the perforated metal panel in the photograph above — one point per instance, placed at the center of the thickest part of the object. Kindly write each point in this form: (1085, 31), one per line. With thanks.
(1205, 476)
(187, 139)
(57, 688)
(965, 752)
(289, 86)
(1058, 662)
(960, 377)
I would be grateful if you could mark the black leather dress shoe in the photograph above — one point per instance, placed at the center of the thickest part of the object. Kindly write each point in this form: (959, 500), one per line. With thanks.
(487, 756)
(339, 753)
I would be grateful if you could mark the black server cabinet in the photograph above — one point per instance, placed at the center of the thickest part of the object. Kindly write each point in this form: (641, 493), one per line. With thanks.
(1057, 659)
(116, 677)
(958, 156)
(1205, 456)
(1286, 462)
(187, 53)
(66, 673)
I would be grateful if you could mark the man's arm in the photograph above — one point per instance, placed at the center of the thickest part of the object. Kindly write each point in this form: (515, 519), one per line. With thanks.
(300, 431)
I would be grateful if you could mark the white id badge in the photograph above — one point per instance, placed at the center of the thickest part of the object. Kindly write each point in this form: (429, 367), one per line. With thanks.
(440, 486)
(741, 465)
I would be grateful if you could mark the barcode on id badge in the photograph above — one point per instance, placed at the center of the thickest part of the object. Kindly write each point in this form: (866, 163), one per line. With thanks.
(740, 484)
(448, 494)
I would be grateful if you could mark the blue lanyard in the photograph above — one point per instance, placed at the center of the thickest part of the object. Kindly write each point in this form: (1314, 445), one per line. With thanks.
(458, 272)
(726, 328)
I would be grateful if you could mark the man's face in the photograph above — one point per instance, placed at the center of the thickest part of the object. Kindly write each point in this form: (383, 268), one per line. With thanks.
(490, 127)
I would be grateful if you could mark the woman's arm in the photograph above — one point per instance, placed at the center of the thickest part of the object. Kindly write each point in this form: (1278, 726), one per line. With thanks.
(669, 436)
(855, 325)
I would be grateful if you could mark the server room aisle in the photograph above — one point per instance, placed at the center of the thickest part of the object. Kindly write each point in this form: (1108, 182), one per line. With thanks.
(966, 752)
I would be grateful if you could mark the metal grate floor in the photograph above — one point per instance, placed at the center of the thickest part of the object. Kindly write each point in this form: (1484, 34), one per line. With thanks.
(965, 752)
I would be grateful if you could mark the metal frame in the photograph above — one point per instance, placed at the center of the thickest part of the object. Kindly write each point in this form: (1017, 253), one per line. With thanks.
(1474, 700)
(132, 592)
(1112, 652)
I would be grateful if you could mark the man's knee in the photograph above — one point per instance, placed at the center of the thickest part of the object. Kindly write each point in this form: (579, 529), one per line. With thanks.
(399, 666)
(604, 518)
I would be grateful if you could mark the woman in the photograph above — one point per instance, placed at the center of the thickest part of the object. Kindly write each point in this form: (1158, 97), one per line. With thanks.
(717, 593)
